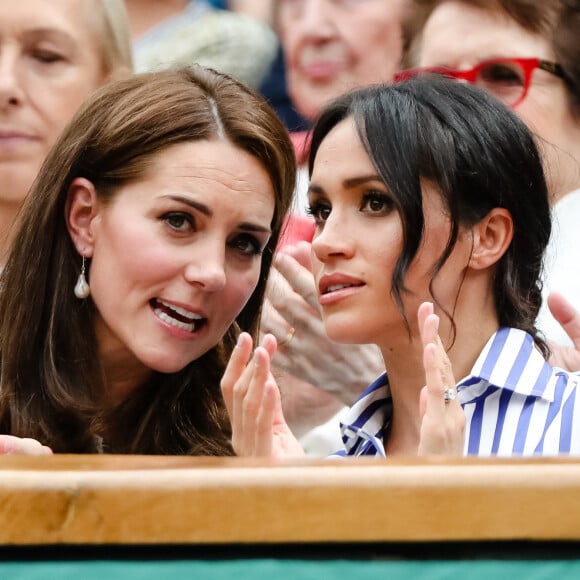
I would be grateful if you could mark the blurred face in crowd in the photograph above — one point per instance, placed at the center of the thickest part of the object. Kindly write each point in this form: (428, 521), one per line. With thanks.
(332, 46)
(461, 36)
(50, 61)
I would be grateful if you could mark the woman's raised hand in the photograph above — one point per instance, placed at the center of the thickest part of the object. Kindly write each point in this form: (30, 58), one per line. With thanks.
(443, 419)
(10, 445)
(253, 402)
(566, 357)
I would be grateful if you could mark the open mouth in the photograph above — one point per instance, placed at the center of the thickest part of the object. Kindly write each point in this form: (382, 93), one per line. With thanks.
(176, 316)
(337, 287)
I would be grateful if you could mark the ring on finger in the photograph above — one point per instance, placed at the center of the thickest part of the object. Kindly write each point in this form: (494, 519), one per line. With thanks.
(449, 395)
(289, 336)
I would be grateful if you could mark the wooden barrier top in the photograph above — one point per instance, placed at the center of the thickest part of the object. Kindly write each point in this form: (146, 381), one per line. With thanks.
(114, 499)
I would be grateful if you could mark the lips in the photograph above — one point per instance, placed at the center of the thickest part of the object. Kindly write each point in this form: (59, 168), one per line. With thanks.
(337, 282)
(336, 287)
(320, 71)
(178, 316)
(321, 62)
(16, 133)
(13, 135)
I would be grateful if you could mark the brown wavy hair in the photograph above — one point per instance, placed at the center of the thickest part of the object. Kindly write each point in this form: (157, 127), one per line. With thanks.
(51, 385)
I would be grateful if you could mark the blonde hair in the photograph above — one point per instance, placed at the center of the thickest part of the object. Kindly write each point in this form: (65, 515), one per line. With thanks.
(114, 36)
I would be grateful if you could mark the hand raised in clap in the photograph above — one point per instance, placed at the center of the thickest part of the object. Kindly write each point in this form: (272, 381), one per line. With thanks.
(253, 402)
(443, 419)
(565, 357)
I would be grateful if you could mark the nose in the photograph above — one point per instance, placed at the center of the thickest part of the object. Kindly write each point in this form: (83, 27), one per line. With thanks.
(316, 19)
(332, 240)
(207, 269)
(11, 90)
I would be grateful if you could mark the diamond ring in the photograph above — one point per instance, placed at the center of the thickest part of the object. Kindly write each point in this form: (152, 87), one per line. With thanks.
(449, 395)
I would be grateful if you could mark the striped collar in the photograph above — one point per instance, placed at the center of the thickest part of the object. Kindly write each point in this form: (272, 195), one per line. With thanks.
(509, 360)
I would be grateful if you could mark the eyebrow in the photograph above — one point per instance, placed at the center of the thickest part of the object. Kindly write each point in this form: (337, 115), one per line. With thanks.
(51, 34)
(206, 210)
(349, 183)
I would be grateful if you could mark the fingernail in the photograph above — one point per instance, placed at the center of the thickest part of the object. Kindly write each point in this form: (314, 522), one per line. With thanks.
(239, 341)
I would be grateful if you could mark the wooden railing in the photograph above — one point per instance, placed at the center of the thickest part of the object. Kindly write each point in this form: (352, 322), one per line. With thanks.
(84, 499)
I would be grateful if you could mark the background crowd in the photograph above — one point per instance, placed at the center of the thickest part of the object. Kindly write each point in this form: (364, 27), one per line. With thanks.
(298, 56)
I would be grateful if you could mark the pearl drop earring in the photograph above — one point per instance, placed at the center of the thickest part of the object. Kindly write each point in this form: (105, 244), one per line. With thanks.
(82, 289)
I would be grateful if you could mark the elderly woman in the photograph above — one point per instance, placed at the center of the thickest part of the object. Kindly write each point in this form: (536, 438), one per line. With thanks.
(53, 55)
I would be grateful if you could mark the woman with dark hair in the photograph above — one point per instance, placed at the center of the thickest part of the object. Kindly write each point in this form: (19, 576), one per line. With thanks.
(141, 254)
(514, 49)
(429, 197)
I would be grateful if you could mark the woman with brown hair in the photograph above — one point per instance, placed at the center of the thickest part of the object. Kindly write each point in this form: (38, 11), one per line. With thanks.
(140, 255)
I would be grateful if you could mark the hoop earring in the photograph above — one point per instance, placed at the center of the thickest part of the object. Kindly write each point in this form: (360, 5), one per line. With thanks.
(82, 289)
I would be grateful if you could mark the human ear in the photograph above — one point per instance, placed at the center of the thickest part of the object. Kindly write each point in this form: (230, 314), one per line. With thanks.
(81, 209)
(492, 236)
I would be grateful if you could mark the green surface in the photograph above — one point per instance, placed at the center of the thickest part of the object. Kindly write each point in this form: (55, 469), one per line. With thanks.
(385, 561)
(291, 569)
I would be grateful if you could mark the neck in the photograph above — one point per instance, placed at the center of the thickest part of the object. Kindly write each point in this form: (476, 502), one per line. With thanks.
(122, 378)
(563, 164)
(404, 364)
(565, 183)
(123, 373)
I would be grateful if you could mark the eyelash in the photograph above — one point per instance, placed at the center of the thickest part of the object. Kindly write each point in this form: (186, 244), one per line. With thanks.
(315, 209)
(376, 196)
(183, 217)
(255, 248)
(47, 56)
(252, 244)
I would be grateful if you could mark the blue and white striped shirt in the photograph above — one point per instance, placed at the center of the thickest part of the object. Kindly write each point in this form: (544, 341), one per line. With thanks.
(515, 404)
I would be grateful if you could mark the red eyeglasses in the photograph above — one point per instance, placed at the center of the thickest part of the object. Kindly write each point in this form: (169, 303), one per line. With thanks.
(508, 79)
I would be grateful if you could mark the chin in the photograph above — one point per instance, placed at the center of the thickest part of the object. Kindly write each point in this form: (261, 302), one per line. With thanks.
(346, 333)
(167, 364)
(353, 325)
